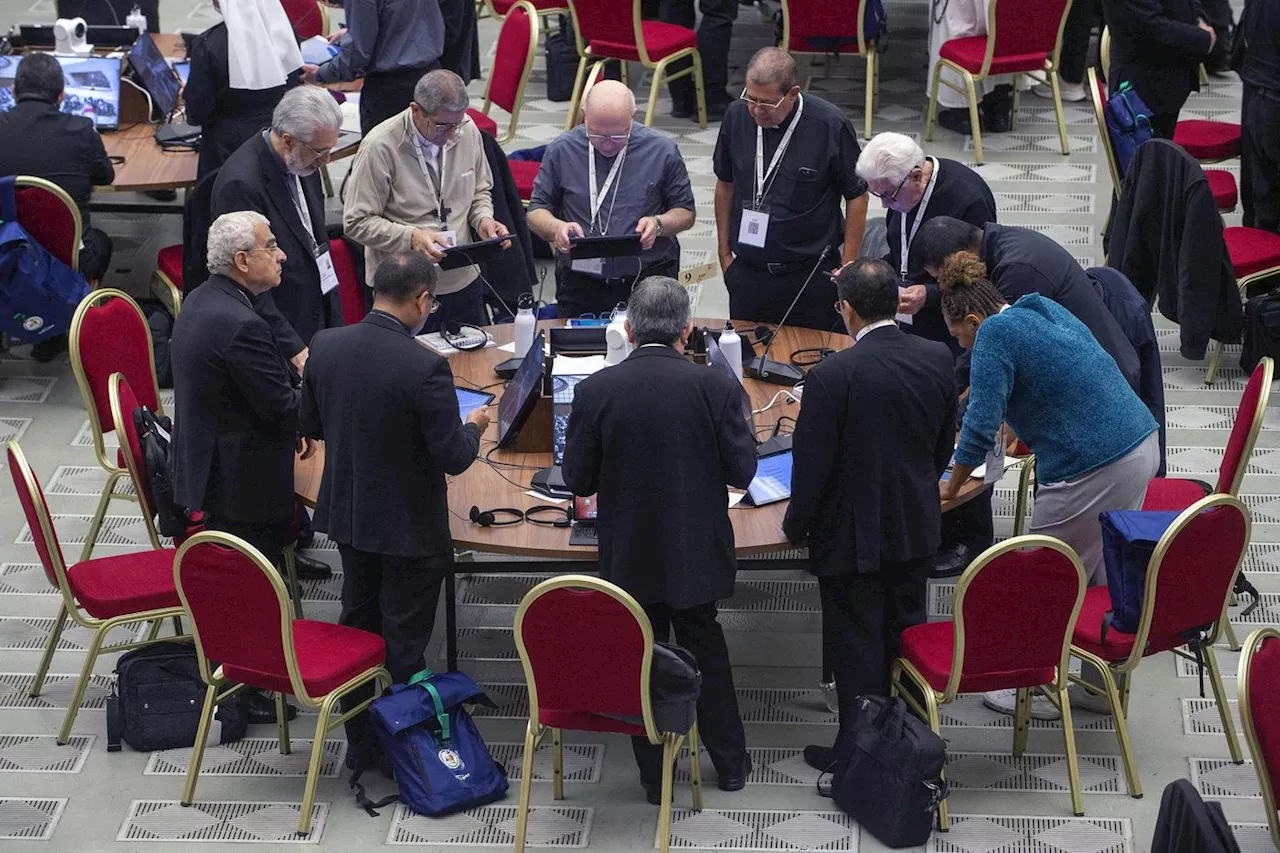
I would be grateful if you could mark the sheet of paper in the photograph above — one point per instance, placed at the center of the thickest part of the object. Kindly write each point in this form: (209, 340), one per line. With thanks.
(577, 365)
(540, 496)
(735, 498)
(437, 342)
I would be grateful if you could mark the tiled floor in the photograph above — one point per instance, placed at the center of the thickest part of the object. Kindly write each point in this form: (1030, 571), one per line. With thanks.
(79, 797)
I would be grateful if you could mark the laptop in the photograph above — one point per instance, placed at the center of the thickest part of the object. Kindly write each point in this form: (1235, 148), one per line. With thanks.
(583, 517)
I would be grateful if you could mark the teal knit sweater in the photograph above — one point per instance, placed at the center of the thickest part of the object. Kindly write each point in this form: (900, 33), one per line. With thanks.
(1038, 368)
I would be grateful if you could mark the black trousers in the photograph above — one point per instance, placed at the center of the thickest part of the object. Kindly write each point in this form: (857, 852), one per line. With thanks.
(719, 724)
(1163, 124)
(270, 539)
(760, 296)
(1075, 38)
(1260, 158)
(970, 523)
(578, 293)
(863, 617)
(95, 257)
(714, 34)
(396, 598)
(384, 95)
(462, 306)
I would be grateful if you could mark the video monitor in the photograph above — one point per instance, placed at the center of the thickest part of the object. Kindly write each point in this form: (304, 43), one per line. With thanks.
(561, 407)
(155, 75)
(92, 87)
(521, 394)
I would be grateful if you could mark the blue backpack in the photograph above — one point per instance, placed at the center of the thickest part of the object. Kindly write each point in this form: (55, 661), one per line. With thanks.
(440, 761)
(38, 292)
(1129, 539)
(1128, 124)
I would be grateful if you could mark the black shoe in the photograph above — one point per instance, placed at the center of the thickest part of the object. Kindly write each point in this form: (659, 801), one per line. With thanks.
(736, 781)
(819, 757)
(996, 110)
(683, 108)
(956, 121)
(262, 708)
(309, 569)
(653, 792)
(951, 561)
(717, 108)
(49, 349)
(162, 195)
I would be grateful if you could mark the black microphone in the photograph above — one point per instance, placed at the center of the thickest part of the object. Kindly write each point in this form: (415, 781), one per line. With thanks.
(772, 371)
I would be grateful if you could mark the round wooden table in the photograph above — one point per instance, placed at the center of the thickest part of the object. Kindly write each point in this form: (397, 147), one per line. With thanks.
(756, 530)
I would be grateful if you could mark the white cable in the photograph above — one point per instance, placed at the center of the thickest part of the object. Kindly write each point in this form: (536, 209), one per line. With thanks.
(150, 106)
(790, 398)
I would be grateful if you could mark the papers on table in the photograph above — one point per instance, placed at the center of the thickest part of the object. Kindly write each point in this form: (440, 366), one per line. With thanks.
(436, 341)
(577, 365)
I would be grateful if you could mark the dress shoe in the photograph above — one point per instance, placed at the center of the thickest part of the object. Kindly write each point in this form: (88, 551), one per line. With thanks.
(819, 757)
(262, 708)
(716, 109)
(956, 121)
(49, 349)
(736, 781)
(309, 569)
(683, 108)
(951, 561)
(653, 792)
(996, 110)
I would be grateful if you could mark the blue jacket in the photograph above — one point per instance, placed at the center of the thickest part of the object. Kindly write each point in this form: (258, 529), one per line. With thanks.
(1040, 369)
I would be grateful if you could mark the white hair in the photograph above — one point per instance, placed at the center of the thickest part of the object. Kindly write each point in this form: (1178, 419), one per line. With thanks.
(230, 234)
(889, 157)
(306, 111)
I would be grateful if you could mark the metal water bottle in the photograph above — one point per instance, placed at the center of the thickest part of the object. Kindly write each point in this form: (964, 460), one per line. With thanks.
(526, 324)
(731, 346)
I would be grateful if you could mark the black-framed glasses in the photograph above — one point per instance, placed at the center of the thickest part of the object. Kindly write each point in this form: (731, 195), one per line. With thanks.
(619, 138)
(752, 102)
(435, 303)
(902, 183)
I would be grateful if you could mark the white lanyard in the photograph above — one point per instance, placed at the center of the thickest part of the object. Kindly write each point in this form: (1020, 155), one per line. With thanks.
(920, 208)
(597, 196)
(437, 183)
(304, 212)
(761, 175)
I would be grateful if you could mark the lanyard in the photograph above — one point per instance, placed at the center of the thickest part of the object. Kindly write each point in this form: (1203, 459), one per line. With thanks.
(432, 177)
(597, 196)
(920, 209)
(304, 212)
(761, 175)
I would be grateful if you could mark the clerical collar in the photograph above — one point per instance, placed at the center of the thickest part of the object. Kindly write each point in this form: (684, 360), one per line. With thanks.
(871, 327)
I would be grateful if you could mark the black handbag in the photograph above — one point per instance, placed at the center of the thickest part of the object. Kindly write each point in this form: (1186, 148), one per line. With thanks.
(562, 61)
(892, 784)
(1261, 330)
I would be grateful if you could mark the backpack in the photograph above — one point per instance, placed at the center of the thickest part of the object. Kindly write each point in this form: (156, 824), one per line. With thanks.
(155, 434)
(1129, 538)
(1128, 124)
(38, 292)
(1261, 330)
(158, 697)
(440, 761)
(160, 323)
(562, 62)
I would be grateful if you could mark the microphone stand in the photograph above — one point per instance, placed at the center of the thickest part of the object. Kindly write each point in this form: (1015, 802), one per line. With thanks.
(761, 367)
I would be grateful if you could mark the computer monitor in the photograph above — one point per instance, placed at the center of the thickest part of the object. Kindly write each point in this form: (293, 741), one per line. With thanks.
(716, 359)
(92, 87)
(183, 69)
(155, 75)
(561, 406)
(522, 393)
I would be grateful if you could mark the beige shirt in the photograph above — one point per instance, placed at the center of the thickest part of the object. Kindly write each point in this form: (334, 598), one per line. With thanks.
(388, 196)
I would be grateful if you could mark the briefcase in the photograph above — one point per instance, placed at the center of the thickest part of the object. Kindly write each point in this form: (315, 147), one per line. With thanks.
(893, 784)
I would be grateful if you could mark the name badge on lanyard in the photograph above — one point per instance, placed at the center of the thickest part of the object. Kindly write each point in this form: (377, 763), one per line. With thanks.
(595, 266)
(437, 183)
(910, 319)
(754, 228)
(324, 263)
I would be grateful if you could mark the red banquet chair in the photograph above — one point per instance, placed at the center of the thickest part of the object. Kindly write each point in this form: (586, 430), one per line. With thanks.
(109, 334)
(818, 28)
(99, 595)
(50, 216)
(586, 647)
(1188, 585)
(169, 273)
(1259, 692)
(1015, 610)
(349, 286)
(512, 64)
(307, 17)
(613, 29)
(239, 611)
(545, 8)
(1023, 36)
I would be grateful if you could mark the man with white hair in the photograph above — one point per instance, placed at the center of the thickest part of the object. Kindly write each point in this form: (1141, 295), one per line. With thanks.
(610, 176)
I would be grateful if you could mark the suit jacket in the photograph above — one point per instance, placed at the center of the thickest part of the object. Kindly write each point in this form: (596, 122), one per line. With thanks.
(874, 435)
(386, 409)
(1157, 48)
(254, 179)
(37, 139)
(658, 438)
(235, 409)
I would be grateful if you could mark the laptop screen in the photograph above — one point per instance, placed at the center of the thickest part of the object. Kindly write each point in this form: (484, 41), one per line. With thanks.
(716, 359)
(584, 509)
(92, 87)
(561, 406)
(772, 482)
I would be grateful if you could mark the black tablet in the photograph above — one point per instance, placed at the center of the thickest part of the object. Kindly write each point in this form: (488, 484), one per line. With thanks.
(469, 399)
(772, 482)
(472, 253)
(581, 248)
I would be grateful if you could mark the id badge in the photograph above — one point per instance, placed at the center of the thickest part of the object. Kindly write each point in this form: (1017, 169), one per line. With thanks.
(328, 275)
(754, 228)
(590, 266)
(450, 237)
(995, 460)
(909, 319)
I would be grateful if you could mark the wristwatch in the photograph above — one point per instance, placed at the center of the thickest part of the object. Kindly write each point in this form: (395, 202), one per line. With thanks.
(657, 220)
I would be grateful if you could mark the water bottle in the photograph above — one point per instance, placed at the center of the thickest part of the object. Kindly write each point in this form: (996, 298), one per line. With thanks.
(731, 346)
(137, 20)
(617, 346)
(526, 324)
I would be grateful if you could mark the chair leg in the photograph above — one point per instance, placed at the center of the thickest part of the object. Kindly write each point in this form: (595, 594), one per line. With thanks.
(326, 181)
(282, 725)
(526, 785)
(577, 93)
(695, 767)
(1069, 740)
(1224, 711)
(975, 124)
(932, 115)
(871, 93)
(291, 570)
(54, 636)
(1212, 372)
(177, 626)
(197, 752)
(659, 74)
(699, 89)
(1021, 721)
(1229, 634)
(153, 632)
(557, 765)
(1057, 109)
(86, 673)
(1013, 114)
(935, 723)
(1120, 722)
(670, 747)
(95, 524)
(313, 768)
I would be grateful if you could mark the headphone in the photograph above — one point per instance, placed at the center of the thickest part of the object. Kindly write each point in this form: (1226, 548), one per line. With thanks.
(489, 517)
(561, 514)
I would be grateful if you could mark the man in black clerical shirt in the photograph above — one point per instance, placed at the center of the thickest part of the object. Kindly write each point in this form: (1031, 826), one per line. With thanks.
(773, 227)
(1260, 126)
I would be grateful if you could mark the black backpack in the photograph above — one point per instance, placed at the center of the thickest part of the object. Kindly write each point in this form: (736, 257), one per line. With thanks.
(562, 61)
(155, 433)
(1261, 330)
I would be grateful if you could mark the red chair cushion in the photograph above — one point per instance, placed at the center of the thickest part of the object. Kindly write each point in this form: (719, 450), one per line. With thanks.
(129, 583)
(1088, 633)
(1251, 249)
(329, 655)
(930, 648)
(169, 262)
(518, 37)
(1170, 494)
(523, 172)
(114, 337)
(969, 52)
(483, 123)
(660, 39)
(1223, 186)
(1208, 140)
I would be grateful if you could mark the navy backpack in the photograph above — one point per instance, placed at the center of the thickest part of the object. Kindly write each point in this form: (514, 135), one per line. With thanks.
(1128, 124)
(1129, 539)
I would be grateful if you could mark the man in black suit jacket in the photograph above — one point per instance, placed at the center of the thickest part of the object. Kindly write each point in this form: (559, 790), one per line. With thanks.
(873, 436)
(658, 438)
(385, 407)
(1157, 47)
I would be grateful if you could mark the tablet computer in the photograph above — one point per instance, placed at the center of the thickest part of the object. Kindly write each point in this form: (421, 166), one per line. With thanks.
(472, 253)
(772, 482)
(469, 399)
(581, 248)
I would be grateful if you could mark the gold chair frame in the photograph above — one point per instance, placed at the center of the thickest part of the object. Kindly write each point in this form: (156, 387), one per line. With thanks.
(1091, 80)
(541, 16)
(1026, 480)
(1050, 70)
(215, 679)
(658, 67)
(1251, 645)
(70, 609)
(532, 13)
(1119, 699)
(172, 295)
(1022, 713)
(865, 49)
(32, 182)
(535, 731)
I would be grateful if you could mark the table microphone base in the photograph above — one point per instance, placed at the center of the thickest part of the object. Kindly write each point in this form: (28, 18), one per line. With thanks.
(773, 372)
(507, 369)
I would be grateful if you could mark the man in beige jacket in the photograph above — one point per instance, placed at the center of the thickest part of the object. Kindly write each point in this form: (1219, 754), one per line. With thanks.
(421, 183)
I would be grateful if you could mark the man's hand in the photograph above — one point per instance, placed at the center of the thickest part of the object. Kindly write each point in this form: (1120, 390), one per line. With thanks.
(647, 228)
(479, 417)
(911, 299)
(566, 231)
(430, 243)
(299, 361)
(488, 228)
(309, 73)
(336, 35)
(726, 259)
(307, 447)
(1213, 35)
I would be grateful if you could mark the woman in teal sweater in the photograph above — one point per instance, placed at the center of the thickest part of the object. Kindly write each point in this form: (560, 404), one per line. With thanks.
(1039, 369)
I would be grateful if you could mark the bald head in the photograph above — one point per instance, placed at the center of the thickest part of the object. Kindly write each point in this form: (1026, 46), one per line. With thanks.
(610, 100)
(772, 67)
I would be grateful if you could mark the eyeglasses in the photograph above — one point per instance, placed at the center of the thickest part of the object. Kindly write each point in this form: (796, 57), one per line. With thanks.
(901, 184)
(320, 153)
(445, 127)
(764, 105)
(619, 138)
(269, 246)
(435, 303)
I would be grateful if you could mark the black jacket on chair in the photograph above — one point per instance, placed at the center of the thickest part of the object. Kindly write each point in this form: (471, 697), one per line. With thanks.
(1157, 48)
(1187, 824)
(253, 178)
(235, 409)
(1166, 237)
(658, 438)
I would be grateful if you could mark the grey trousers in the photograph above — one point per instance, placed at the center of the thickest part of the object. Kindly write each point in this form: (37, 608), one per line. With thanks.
(1069, 510)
